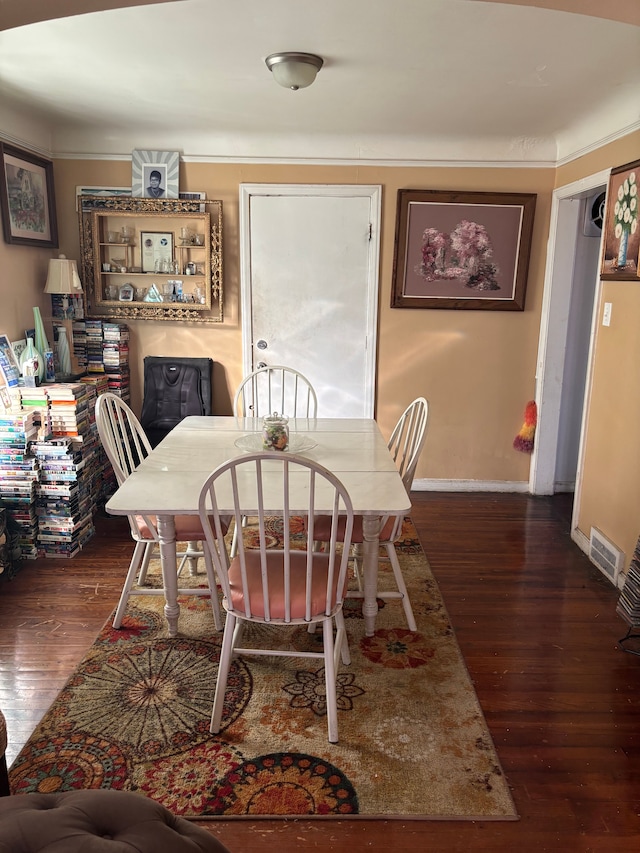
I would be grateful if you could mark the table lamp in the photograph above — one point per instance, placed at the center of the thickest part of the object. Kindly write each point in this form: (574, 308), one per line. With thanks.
(63, 279)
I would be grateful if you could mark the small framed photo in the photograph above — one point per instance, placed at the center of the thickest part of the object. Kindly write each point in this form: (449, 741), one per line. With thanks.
(157, 251)
(103, 192)
(27, 198)
(620, 229)
(18, 348)
(126, 293)
(194, 197)
(155, 174)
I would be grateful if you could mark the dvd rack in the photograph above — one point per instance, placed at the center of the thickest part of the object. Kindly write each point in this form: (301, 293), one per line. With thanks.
(19, 474)
(628, 606)
(103, 347)
(68, 486)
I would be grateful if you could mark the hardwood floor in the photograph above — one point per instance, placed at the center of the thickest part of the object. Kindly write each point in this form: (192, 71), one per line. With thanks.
(536, 623)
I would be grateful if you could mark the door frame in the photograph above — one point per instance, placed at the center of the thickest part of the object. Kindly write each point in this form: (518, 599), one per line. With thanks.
(553, 335)
(371, 191)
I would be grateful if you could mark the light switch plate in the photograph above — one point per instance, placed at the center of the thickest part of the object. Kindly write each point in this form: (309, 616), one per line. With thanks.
(606, 314)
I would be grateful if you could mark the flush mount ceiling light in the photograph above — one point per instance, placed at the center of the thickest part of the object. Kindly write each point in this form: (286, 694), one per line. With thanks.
(294, 70)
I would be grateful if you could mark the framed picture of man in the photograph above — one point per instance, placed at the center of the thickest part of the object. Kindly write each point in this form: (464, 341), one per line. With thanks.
(155, 174)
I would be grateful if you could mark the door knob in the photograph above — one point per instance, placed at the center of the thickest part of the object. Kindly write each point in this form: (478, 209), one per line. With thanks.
(261, 344)
(261, 364)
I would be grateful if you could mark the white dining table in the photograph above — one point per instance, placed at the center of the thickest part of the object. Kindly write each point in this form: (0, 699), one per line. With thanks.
(168, 483)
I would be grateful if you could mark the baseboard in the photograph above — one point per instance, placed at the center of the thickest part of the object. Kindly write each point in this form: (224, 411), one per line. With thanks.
(564, 486)
(581, 540)
(470, 485)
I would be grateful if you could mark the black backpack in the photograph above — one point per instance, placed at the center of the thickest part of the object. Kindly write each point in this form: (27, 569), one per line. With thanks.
(173, 389)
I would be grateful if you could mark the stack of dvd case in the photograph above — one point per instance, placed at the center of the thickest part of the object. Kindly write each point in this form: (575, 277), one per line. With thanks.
(79, 328)
(95, 363)
(104, 476)
(69, 486)
(629, 602)
(63, 501)
(115, 353)
(19, 476)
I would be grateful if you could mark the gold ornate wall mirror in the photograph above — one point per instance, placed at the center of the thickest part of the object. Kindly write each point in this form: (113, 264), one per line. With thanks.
(151, 259)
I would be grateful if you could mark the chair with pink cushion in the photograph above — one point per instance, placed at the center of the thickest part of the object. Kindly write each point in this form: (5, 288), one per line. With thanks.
(405, 445)
(279, 586)
(126, 445)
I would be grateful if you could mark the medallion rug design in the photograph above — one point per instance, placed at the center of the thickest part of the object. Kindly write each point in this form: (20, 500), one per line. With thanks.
(413, 740)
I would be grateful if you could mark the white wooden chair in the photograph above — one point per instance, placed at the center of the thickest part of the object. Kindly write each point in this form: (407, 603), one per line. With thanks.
(275, 388)
(279, 587)
(405, 445)
(126, 445)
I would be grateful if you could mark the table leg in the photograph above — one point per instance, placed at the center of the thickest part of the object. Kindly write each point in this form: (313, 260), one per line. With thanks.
(371, 525)
(167, 535)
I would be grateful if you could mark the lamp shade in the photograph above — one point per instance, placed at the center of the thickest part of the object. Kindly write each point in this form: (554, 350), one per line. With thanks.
(63, 276)
(294, 70)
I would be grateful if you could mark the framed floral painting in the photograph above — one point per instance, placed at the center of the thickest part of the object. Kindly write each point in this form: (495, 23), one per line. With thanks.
(621, 234)
(462, 250)
(27, 198)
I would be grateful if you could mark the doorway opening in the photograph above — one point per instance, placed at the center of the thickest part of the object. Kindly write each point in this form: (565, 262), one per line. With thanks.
(566, 337)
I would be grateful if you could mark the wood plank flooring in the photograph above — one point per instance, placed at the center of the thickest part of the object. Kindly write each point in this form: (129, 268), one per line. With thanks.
(536, 623)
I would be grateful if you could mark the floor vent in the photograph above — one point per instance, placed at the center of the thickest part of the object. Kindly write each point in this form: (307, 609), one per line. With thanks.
(605, 555)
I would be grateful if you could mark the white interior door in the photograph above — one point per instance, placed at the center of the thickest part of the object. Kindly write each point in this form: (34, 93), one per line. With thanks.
(309, 260)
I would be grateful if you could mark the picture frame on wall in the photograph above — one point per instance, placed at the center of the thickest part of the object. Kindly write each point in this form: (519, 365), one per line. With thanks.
(155, 174)
(157, 251)
(103, 192)
(462, 250)
(621, 229)
(27, 198)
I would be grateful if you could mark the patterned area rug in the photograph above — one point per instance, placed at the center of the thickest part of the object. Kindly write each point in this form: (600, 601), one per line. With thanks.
(413, 741)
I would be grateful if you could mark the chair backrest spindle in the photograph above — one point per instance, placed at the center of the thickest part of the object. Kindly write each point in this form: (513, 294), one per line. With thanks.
(407, 439)
(275, 388)
(290, 583)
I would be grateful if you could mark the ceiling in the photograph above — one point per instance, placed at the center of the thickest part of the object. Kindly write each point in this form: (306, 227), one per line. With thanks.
(443, 81)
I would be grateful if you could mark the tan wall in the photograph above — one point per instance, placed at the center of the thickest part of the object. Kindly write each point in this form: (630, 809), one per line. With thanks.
(610, 487)
(476, 368)
(610, 494)
(23, 273)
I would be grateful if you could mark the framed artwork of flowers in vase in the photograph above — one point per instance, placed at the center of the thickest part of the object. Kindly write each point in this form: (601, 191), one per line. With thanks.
(462, 249)
(621, 232)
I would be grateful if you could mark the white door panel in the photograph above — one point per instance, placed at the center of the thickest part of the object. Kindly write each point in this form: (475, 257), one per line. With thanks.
(309, 261)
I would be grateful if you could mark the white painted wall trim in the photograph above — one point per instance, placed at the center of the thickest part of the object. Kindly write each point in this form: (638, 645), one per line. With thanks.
(324, 161)
(428, 485)
(553, 327)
